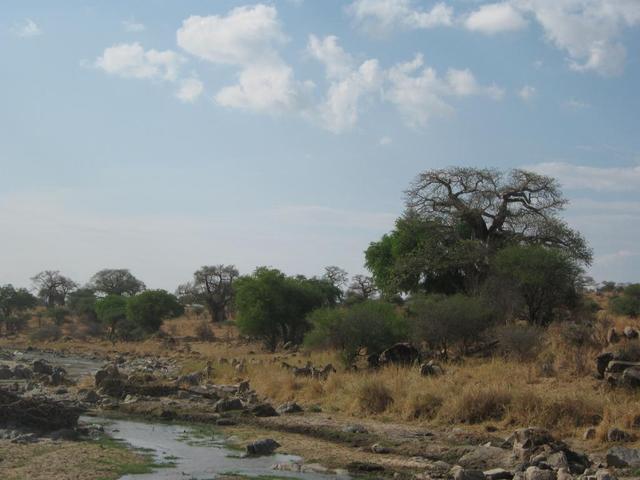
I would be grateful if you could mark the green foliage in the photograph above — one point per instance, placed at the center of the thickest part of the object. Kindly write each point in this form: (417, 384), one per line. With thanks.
(372, 325)
(544, 278)
(273, 307)
(58, 315)
(13, 305)
(442, 320)
(82, 303)
(628, 303)
(213, 286)
(148, 309)
(116, 281)
(112, 312)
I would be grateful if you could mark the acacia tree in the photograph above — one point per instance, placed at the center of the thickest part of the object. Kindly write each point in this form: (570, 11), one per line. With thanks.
(361, 288)
(52, 287)
(13, 303)
(116, 281)
(213, 286)
(336, 275)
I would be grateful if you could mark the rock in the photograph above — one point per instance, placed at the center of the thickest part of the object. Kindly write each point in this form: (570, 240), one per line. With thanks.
(612, 336)
(57, 377)
(621, 457)
(20, 372)
(90, 396)
(262, 447)
(264, 410)
(5, 372)
(602, 361)
(589, 433)
(378, 448)
(399, 354)
(110, 382)
(431, 369)
(130, 399)
(603, 474)
(535, 473)
(244, 387)
(619, 366)
(225, 422)
(485, 457)
(498, 474)
(460, 473)
(228, 404)
(563, 474)
(631, 377)
(558, 460)
(67, 434)
(618, 435)
(364, 467)
(289, 407)
(42, 367)
(354, 428)
(630, 332)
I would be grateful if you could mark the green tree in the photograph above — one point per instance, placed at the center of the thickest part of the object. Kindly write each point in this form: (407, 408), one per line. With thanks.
(370, 326)
(628, 303)
(116, 281)
(441, 320)
(273, 307)
(82, 303)
(112, 312)
(545, 279)
(148, 309)
(212, 286)
(13, 305)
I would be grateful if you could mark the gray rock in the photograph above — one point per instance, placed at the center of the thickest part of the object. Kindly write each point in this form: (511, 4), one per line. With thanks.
(563, 474)
(618, 435)
(264, 410)
(42, 367)
(630, 332)
(378, 448)
(5, 372)
(498, 474)
(623, 457)
(262, 447)
(631, 377)
(460, 473)
(289, 407)
(228, 404)
(558, 460)
(354, 428)
(589, 433)
(535, 473)
(603, 474)
(486, 457)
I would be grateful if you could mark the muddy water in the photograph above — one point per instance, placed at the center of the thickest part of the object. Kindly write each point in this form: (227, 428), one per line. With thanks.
(196, 455)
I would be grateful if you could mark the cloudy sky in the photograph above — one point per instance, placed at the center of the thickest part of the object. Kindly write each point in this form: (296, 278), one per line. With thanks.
(161, 136)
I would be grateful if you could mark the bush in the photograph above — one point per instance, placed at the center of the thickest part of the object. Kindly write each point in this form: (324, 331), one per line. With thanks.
(204, 332)
(58, 315)
(373, 396)
(422, 405)
(520, 342)
(372, 325)
(47, 332)
(441, 321)
(628, 303)
(112, 312)
(148, 309)
(477, 403)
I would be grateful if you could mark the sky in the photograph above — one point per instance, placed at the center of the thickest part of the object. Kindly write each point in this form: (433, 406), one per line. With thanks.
(162, 136)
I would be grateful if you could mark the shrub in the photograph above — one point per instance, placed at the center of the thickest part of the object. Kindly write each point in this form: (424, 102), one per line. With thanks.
(373, 396)
(58, 315)
(111, 311)
(478, 403)
(46, 332)
(628, 303)
(441, 321)
(204, 332)
(148, 309)
(372, 325)
(520, 342)
(422, 405)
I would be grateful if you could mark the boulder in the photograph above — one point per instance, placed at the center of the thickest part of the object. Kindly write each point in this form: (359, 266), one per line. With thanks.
(622, 457)
(20, 372)
(558, 460)
(589, 433)
(289, 407)
(535, 473)
(630, 332)
(262, 447)
(618, 435)
(460, 473)
(42, 367)
(400, 354)
(563, 474)
(228, 404)
(379, 448)
(603, 474)
(264, 410)
(5, 372)
(498, 474)
(631, 377)
(110, 382)
(431, 369)
(619, 366)
(602, 361)
(90, 396)
(485, 457)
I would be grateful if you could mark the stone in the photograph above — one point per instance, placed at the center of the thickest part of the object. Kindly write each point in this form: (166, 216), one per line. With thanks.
(602, 361)
(289, 407)
(603, 474)
(378, 448)
(498, 474)
(431, 369)
(265, 446)
(399, 354)
(618, 435)
(619, 366)
(631, 377)
(612, 336)
(225, 422)
(228, 404)
(42, 367)
(56, 378)
(354, 428)
(589, 433)
(264, 410)
(622, 457)
(563, 474)
(535, 473)
(460, 473)
(90, 396)
(558, 460)
(485, 457)
(5, 372)
(630, 332)
(20, 372)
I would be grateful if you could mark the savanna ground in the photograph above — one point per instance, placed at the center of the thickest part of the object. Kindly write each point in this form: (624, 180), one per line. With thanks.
(492, 396)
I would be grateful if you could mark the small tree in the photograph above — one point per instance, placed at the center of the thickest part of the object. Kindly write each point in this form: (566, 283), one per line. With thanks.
(148, 309)
(361, 288)
(82, 303)
(213, 287)
(441, 321)
(371, 325)
(628, 303)
(13, 305)
(545, 278)
(53, 287)
(273, 307)
(112, 311)
(116, 281)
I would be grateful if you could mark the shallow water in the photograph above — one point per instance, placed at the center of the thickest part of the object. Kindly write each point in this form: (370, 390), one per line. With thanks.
(196, 456)
(75, 366)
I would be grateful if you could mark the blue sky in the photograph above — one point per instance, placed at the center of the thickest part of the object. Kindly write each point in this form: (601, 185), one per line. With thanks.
(161, 136)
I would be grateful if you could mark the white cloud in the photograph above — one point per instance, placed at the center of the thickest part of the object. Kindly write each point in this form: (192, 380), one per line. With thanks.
(384, 141)
(130, 25)
(337, 62)
(593, 178)
(131, 60)
(190, 89)
(419, 93)
(495, 18)
(382, 16)
(527, 93)
(26, 29)
(244, 35)
(247, 37)
(575, 104)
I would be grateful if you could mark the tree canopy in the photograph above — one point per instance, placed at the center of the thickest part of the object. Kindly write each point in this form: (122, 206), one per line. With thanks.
(212, 286)
(116, 281)
(53, 287)
(148, 309)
